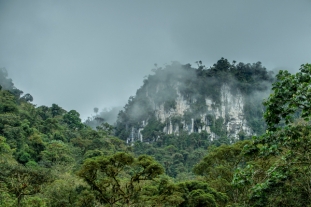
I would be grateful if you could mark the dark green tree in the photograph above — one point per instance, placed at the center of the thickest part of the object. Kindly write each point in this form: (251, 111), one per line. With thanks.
(117, 180)
(72, 118)
(22, 181)
(279, 174)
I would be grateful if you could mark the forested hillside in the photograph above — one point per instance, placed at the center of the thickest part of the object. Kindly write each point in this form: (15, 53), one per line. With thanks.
(223, 100)
(180, 111)
(48, 157)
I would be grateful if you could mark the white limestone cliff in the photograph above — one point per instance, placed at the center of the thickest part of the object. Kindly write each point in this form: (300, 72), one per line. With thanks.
(230, 110)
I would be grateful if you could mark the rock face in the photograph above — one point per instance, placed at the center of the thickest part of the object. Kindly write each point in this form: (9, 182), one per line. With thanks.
(223, 101)
(228, 113)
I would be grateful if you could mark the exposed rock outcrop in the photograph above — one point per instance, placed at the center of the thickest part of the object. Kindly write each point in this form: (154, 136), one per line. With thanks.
(229, 110)
(223, 101)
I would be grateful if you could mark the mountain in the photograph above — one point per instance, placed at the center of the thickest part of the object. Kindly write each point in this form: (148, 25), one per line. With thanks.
(224, 100)
(49, 158)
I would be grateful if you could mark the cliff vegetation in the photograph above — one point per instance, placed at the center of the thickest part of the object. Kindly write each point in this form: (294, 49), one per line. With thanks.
(48, 157)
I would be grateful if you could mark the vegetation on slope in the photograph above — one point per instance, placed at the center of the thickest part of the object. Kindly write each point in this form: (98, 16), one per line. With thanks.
(195, 85)
(49, 158)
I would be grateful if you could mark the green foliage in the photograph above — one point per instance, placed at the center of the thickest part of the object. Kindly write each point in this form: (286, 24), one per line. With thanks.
(68, 190)
(41, 144)
(218, 168)
(49, 158)
(218, 127)
(27, 97)
(6, 152)
(105, 129)
(279, 172)
(178, 154)
(196, 194)
(291, 94)
(56, 152)
(118, 179)
(160, 91)
(161, 192)
(72, 118)
(56, 110)
(22, 181)
(152, 130)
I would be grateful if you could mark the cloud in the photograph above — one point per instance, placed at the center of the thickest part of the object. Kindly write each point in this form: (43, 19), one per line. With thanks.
(84, 53)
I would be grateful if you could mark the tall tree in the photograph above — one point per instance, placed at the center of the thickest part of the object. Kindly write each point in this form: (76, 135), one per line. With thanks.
(22, 181)
(117, 180)
(279, 174)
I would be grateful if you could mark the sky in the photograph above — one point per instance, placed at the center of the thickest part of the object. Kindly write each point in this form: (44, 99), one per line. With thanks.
(96, 53)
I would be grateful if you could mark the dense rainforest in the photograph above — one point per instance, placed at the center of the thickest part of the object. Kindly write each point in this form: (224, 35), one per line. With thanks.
(192, 87)
(48, 157)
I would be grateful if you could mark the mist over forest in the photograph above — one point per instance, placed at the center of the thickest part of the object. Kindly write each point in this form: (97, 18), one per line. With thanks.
(48, 148)
(155, 104)
(58, 50)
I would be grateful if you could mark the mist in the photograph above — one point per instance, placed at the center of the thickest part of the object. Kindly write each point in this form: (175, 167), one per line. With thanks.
(86, 54)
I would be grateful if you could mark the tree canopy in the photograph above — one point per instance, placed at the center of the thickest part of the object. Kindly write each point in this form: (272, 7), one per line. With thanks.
(49, 158)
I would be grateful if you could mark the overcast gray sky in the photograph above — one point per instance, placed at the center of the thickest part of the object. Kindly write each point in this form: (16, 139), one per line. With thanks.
(86, 54)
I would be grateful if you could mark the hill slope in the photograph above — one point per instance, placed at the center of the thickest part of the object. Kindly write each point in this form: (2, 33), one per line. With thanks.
(223, 101)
